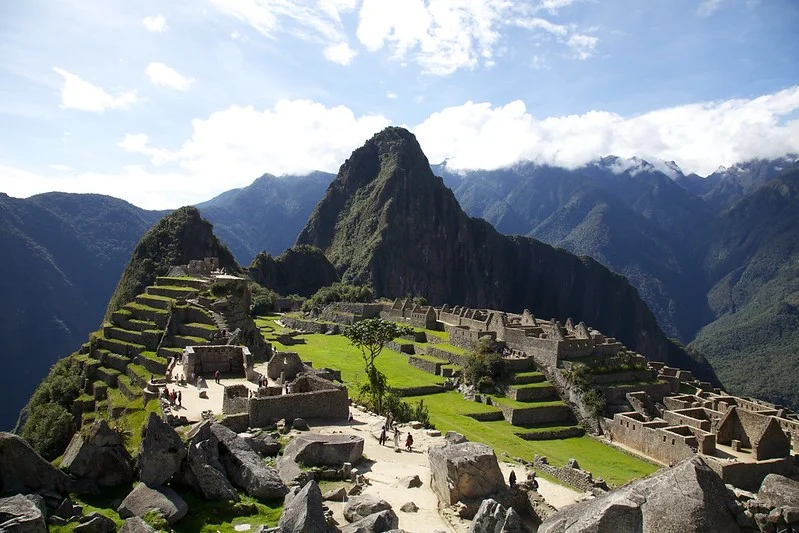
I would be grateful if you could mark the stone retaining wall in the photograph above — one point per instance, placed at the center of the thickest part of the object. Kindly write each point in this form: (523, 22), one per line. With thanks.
(575, 477)
(534, 415)
(323, 399)
(487, 417)
(419, 391)
(401, 347)
(447, 356)
(554, 434)
(310, 325)
(526, 394)
(431, 367)
(619, 377)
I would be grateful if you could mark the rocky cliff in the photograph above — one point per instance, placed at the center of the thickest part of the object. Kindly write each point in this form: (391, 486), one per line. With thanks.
(388, 221)
(281, 273)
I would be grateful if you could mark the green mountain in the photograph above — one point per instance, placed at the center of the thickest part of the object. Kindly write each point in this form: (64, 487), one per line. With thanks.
(753, 269)
(280, 273)
(63, 254)
(176, 239)
(388, 221)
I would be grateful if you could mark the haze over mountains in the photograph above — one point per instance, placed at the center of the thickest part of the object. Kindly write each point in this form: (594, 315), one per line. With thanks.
(714, 258)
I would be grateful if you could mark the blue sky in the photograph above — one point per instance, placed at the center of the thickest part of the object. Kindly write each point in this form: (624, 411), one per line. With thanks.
(165, 103)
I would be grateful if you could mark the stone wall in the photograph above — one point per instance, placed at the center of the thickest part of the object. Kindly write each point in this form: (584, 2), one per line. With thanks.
(432, 367)
(422, 390)
(285, 364)
(552, 435)
(234, 399)
(576, 477)
(317, 398)
(402, 347)
(447, 356)
(527, 394)
(620, 377)
(227, 359)
(537, 415)
(749, 476)
(309, 325)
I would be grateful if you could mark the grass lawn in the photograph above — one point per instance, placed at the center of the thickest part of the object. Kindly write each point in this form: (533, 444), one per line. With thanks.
(615, 467)
(335, 351)
(501, 400)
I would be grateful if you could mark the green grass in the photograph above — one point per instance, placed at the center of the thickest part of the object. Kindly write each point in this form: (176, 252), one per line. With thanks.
(154, 357)
(615, 467)
(145, 296)
(430, 332)
(539, 385)
(430, 358)
(196, 340)
(142, 307)
(174, 288)
(335, 351)
(501, 400)
(209, 327)
(529, 373)
(450, 348)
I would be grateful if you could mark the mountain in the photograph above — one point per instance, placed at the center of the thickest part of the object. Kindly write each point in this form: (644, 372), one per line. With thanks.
(388, 221)
(280, 274)
(267, 215)
(176, 239)
(63, 256)
(752, 263)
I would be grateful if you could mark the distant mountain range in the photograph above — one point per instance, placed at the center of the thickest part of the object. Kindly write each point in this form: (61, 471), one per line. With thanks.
(714, 258)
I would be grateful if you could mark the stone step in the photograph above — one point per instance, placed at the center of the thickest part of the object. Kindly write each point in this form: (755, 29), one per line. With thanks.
(524, 378)
(127, 388)
(153, 363)
(194, 329)
(139, 376)
(193, 283)
(533, 392)
(107, 375)
(157, 302)
(120, 347)
(171, 292)
(145, 312)
(115, 361)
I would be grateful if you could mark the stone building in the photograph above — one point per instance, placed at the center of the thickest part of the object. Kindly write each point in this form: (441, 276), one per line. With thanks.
(229, 360)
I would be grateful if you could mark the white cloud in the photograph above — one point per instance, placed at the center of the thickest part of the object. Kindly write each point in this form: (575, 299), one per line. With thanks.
(166, 76)
(699, 137)
(139, 143)
(156, 24)
(61, 168)
(77, 93)
(447, 35)
(391, 95)
(708, 7)
(340, 53)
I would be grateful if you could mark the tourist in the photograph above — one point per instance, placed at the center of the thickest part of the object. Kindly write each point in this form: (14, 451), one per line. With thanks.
(349, 418)
(180, 399)
(216, 376)
(396, 438)
(512, 479)
(383, 436)
(409, 442)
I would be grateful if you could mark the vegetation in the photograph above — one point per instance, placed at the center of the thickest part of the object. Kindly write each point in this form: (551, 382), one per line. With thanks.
(262, 300)
(338, 292)
(485, 366)
(301, 270)
(370, 336)
(49, 423)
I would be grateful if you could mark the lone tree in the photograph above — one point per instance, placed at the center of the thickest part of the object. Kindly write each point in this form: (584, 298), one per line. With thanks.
(370, 336)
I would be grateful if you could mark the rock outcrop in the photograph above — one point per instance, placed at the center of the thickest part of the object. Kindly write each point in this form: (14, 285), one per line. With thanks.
(19, 514)
(314, 449)
(777, 490)
(363, 506)
(493, 517)
(385, 520)
(244, 466)
(161, 452)
(303, 511)
(464, 471)
(95, 523)
(689, 498)
(22, 470)
(98, 455)
(136, 525)
(205, 474)
(162, 500)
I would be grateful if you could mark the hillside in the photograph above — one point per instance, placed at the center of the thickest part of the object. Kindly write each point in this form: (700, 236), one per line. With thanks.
(388, 221)
(753, 270)
(266, 215)
(63, 254)
(280, 273)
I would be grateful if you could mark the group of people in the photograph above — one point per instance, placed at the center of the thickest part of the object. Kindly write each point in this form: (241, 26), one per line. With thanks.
(174, 397)
(263, 381)
(384, 438)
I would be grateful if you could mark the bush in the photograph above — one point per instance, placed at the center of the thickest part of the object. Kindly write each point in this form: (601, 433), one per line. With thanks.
(400, 410)
(262, 301)
(594, 402)
(338, 292)
(485, 366)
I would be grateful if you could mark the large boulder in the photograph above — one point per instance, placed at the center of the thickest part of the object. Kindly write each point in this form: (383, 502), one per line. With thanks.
(362, 506)
(95, 523)
(22, 470)
(383, 521)
(207, 476)
(689, 498)
(244, 466)
(161, 452)
(464, 471)
(777, 490)
(98, 455)
(314, 449)
(303, 511)
(19, 514)
(136, 525)
(163, 500)
(493, 517)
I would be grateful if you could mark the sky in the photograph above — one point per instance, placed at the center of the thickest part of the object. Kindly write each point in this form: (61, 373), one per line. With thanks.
(169, 102)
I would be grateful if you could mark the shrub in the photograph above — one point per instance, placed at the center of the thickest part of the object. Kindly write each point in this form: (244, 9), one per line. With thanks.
(485, 366)
(262, 301)
(338, 292)
(594, 402)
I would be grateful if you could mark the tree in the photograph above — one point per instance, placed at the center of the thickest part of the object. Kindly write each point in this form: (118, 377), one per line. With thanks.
(370, 336)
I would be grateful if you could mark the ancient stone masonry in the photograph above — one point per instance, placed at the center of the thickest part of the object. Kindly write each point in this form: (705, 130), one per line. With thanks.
(225, 359)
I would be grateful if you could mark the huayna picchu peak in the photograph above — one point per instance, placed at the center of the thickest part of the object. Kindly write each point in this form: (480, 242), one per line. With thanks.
(386, 220)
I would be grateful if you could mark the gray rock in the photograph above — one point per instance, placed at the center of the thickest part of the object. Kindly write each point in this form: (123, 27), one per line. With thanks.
(245, 468)
(790, 515)
(265, 446)
(18, 514)
(777, 490)
(689, 497)
(39, 502)
(374, 523)
(56, 521)
(136, 525)
(300, 425)
(409, 507)
(161, 452)
(453, 437)
(336, 495)
(409, 482)
(493, 517)
(464, 471)
(144, 499)
(207, 474)
(303, 511)
(363, 506)
(313, 449)
(96, 523)
(98, 456)
(22, 470)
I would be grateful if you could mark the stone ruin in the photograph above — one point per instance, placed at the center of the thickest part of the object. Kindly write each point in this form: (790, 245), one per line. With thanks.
(228, 360)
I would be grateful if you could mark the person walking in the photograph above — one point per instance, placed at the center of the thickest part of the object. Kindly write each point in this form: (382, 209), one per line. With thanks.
(396, 438)
(180, 399)
(216, 376)
(409, 442)
(512, 479)
(382, 439)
